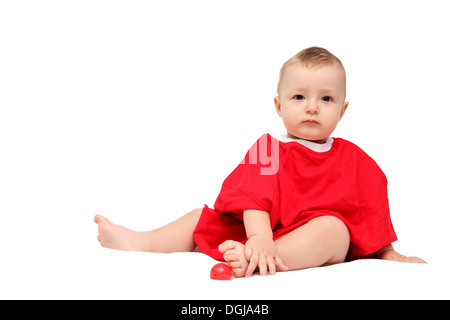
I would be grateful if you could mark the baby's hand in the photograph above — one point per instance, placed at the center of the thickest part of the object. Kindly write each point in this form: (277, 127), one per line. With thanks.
(260, 251)
(391, 254)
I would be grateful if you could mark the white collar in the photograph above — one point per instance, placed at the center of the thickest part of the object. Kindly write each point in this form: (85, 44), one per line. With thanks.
(317, 147)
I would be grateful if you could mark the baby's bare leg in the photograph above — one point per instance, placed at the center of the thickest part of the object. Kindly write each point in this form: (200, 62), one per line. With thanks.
(322, 241)
(176, 236)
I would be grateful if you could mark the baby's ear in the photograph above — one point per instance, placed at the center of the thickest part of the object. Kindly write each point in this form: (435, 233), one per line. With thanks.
(277, 105)
(344, 108)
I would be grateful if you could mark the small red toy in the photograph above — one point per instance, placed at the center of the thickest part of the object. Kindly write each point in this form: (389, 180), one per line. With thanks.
(221, 271)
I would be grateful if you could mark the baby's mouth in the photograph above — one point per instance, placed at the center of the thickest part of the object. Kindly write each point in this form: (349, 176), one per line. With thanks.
(310, 121)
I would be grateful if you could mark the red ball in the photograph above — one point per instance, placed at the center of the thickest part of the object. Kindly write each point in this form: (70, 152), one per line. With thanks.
(221, 271)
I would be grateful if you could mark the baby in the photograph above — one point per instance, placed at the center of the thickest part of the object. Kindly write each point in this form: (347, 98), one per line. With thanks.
(296, 201)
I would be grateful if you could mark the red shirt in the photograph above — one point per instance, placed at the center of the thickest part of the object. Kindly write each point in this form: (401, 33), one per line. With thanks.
(296, 184)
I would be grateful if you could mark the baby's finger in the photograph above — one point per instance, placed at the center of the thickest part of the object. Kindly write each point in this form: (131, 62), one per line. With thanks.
(272, 266)
(262, 265)
(248, 253)
(281, 266)
(415, 260)
(254, 260)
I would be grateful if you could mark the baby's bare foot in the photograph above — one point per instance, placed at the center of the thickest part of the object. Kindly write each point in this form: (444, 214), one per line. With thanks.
(117, 237)
(234, 255)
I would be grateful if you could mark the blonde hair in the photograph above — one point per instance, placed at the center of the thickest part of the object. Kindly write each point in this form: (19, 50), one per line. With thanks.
(311, 58)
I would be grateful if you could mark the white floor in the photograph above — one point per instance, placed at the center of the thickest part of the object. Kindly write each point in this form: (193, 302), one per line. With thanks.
(98, 273)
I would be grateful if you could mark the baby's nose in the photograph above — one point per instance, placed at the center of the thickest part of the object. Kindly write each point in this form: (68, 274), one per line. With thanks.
(312, 108)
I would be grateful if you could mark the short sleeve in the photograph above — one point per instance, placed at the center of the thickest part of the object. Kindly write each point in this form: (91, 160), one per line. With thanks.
(375, 226)
(253, 184)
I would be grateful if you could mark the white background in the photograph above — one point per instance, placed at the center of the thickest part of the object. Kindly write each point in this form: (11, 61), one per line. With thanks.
(139, 109)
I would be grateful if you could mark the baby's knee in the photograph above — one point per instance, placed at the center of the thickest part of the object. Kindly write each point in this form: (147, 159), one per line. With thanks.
(337, 238)
(336, 228)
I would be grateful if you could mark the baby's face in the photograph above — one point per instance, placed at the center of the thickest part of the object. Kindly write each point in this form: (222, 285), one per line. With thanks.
(311, 101)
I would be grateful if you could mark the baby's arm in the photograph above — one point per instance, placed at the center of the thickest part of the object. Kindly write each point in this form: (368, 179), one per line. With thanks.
(388, 253)
(260, 249)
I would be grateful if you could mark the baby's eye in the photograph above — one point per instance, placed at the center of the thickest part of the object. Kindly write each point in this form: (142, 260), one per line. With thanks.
(327, 99)
(299, 97)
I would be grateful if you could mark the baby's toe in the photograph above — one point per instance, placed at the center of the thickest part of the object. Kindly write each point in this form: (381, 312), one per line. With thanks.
(230, 256)
(100, 220)
(227, 245)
